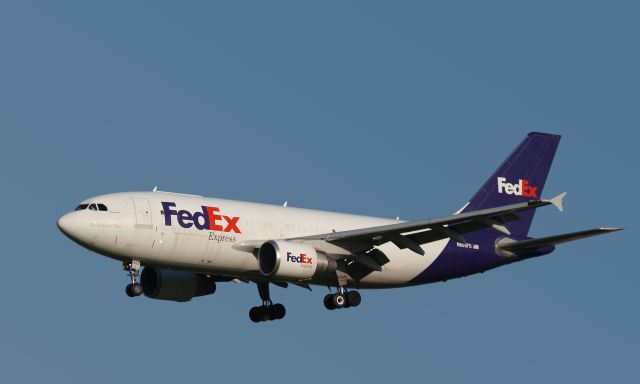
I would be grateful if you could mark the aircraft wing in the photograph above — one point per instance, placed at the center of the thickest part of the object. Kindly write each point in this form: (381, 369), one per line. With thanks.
(414, 233)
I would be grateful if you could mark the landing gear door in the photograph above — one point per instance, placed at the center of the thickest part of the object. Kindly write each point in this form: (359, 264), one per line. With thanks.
(143, 213)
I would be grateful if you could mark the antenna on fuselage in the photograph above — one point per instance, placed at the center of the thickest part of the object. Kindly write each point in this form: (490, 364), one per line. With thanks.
(285, 203)
(155, 189)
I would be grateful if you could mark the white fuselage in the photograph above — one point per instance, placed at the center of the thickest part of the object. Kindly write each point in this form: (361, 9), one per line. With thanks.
(136, 226)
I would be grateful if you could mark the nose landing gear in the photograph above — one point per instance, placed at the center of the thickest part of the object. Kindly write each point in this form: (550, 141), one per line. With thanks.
(133, 268)
(342, 299)
(268, 310)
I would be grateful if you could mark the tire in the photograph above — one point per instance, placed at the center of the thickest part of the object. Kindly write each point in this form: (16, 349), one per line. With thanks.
(270, 313)
(278, 311)
(264, 313)
(136, 289)
(328, 302)
(353, 298)
(255, 314)
(129, 291)
(339, 301)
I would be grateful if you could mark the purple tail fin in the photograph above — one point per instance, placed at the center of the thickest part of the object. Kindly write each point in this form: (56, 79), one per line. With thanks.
(519, 178)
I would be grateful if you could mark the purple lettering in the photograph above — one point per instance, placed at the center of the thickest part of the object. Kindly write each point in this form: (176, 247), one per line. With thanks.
(184, 218)
(168, 212)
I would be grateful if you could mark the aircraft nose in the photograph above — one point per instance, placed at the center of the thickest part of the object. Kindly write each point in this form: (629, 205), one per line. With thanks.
(70, 224)
(64, 224)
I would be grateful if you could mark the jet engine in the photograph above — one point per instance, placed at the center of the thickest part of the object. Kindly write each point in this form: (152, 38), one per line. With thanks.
(167, 284)
(290, 260)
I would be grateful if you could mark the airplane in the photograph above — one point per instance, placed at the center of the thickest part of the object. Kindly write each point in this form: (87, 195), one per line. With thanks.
(182, 245)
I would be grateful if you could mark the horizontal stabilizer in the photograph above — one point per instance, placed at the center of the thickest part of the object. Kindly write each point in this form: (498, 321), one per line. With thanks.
(554, 240)
(558, 201)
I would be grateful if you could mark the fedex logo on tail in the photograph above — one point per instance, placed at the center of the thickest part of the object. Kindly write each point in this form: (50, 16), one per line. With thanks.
(302, 259)
(209, 219)
(522, 188)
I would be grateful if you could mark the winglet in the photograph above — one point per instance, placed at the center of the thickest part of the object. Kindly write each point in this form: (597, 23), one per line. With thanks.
(558, 201)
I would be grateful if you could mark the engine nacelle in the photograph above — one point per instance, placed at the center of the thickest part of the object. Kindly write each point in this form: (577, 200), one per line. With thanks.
(289, 260)
(166, 284)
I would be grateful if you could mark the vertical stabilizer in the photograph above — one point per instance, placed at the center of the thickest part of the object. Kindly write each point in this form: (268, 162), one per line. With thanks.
(521, 177)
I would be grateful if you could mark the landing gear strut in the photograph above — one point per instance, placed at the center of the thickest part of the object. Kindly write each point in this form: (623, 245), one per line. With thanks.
(342, 299)
(268, 310)
(133, 268)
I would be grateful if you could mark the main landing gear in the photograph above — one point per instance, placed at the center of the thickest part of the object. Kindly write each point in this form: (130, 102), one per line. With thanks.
(342, 299)
(268, 310)
(133, 268)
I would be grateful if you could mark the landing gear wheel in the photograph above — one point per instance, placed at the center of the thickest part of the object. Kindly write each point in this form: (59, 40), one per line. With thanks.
(255, 314)
(136, 289)
(353, 298)
(128, 290)
(133, 289)
(278, 311)
(268, 310)
(328, 302)
(339, 301)
(342, 299)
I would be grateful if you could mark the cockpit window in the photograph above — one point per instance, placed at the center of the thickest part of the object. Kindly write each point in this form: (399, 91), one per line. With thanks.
(94, 207)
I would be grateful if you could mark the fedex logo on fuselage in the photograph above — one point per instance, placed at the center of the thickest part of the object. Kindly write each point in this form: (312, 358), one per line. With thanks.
(209, 219)
(302, 259)
(522, 188)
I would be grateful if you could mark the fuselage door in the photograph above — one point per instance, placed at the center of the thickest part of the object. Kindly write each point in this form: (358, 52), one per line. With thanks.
(143, 213)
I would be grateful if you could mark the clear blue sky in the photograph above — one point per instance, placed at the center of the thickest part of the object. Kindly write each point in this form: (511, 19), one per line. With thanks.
(390, 109)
